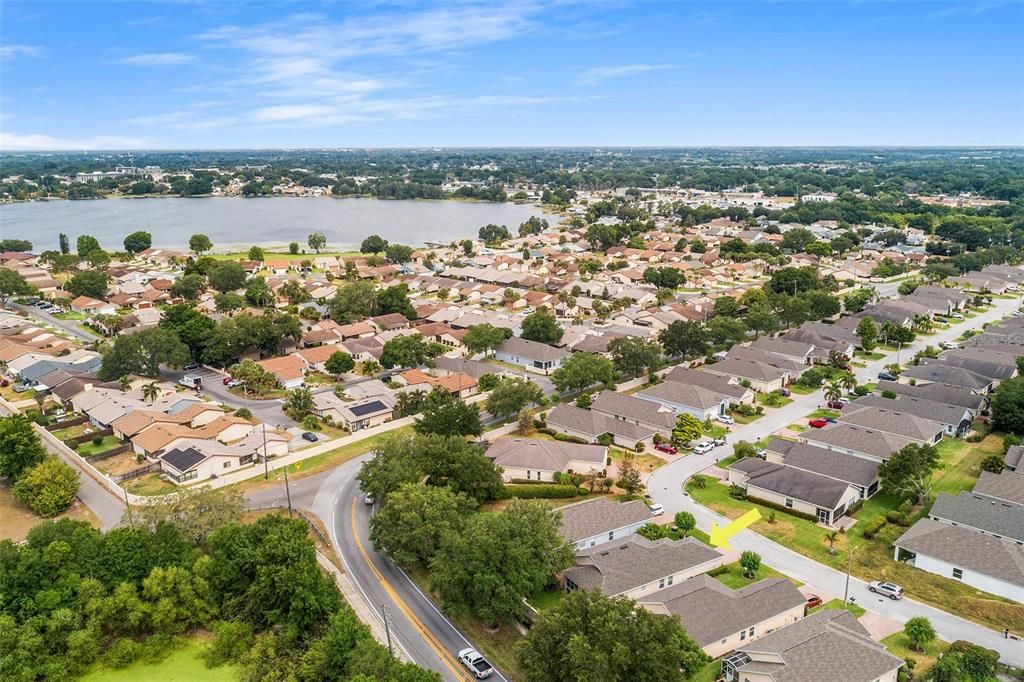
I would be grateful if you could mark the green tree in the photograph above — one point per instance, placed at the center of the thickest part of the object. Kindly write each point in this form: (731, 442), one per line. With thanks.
(339, 363)
(541, 326)
(405, 351)
(373, 244)
(1008, 406)
(227, 276)
(65, 247)
(634, 355)
(797, 239)
(192, 327)
(750, 562)
(395, 299)
(353, 302)
(494, 234)
(685, 522)
(138, 241)
(47, 488)
(497, 560)
(446, 415)
(726, 306)
(228, 302)
(92, 283)
(189, 287)
(13, 284)
(199, 243)
(142, 353)
(684, 339)
(687, 428)
(485, 337)
(858, 299)
(762, 319)
(317, 241)
(794, 280)
(294, 292)
(293, 248)
(20, 447)
(726, 331)
(512, 395)
(196, 512)
(256, 253)
(910, 470)
(394, 464)
(867, 332)
(299, 403)
(398, 253)
(919, 632)
(588, 636)
(408, 529)
(258, 292)
(966, 662)
(452, 462)
(583, 370)
(85, 245)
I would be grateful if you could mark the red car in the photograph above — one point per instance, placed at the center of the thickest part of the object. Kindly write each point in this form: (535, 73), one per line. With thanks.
(813, 601)
(665, 447)
(816, 423)
(836, 405)
(227, 380)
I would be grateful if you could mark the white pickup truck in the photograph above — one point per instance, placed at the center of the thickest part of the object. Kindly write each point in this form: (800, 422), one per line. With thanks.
(477, 664)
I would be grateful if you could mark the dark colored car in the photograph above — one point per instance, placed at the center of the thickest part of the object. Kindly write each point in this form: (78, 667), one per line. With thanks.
(813, 600)
(310, 436)
(836, 405)
(816, 423)
(784, 392)
(830, 420)
(189, 366)
(885, 376)
(665, 447)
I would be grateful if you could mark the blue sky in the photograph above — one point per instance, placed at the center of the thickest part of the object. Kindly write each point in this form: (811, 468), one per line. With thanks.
(220, 74)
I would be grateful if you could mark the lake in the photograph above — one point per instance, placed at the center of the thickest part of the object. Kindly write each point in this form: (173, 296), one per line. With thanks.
(272, 221)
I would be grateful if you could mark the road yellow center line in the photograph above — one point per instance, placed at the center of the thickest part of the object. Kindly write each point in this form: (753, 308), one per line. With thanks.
(450, 661)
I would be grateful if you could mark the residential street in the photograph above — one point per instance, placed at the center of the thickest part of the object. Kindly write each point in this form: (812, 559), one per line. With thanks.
(64, 325)
(269, 411)
(666, 487)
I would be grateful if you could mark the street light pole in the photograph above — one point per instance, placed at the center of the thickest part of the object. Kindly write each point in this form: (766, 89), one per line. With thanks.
(266, 459)
(287, 490)
(849, 569)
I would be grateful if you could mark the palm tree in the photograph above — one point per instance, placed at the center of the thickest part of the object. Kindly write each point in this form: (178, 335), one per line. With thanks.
(831, 538)
(125, 383)
(150, 392)
(848, 381)
(833, 392)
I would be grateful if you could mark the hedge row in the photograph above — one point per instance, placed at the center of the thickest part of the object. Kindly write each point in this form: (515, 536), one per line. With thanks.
(871, 530)
(540, 491)
(783, 509)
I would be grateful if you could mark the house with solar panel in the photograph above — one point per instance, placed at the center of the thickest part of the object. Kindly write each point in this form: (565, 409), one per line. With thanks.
(354, 415)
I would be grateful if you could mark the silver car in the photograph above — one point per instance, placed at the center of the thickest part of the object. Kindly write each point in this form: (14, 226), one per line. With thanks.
(890, 590)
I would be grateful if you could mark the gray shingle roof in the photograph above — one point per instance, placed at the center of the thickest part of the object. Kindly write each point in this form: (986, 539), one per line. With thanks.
(875, 444)
(594, 424)
(891, 421)
(981, 513)
(815, 489)
(942, 413)
(684, 394)
(947, 375)
(713, 382)
(710, 611)
(1007, 486)
(595, 517)
(1014, 456)
(988, 369)
(618, 567)
(838, 465)
(747, 369)
(533, 453)
(531, 349)
(965, 548)
(643, 411)
(752, 354)
(939, 392)
(818, 647)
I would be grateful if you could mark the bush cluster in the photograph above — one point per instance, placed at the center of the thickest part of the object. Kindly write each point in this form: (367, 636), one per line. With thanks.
(526, 491)
(872, 529)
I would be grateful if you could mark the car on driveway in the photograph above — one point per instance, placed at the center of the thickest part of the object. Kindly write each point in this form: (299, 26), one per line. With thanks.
(816, 423)
(665, 447)
(228, 380)
(836, 404)
(886, 589)
(813, 601)
(476, 664)
(703, 448)
(189, 366)
(762, 453)
(886, 376)
(310, 436)
(957, 316)
(785, 392)
(656, 509)
(725, 419)
(949, 345)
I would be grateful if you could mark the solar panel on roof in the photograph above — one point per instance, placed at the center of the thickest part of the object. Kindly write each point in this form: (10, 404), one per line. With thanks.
(361, 410)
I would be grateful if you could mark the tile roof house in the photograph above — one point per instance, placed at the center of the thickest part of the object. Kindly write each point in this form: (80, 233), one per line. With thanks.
(720, 618)
(597, 521)
(288, 369)
(636, 566)
(539, 460)
(827, 645)
(892, 421)
(822, 497)
(354, 415)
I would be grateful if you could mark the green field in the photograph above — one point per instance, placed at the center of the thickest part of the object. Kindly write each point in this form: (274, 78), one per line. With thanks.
(183, 665)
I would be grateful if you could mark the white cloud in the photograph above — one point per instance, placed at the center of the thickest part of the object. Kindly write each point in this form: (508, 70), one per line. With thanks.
(291, 112)
(12, 51)
(599, 74)
(159, 59)
(39, 142)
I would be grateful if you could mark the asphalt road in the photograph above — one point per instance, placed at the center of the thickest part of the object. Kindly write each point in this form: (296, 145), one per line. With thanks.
(269, 411)
(666, 487)
(64, 325)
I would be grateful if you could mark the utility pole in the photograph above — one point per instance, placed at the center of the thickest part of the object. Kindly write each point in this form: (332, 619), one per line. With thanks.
(266, 459)
(128, 506)
(387, 626)
(849, 569)
(287, 490)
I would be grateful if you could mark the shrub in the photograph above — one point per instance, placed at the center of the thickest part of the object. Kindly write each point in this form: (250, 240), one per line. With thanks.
(905, 507)
(539, 491)
(97, 440)
(891, 395)
(871, 529)
(639, 447)
(73, 444)
(860, 390)
(548, 431)
(605, 439)
(561, 437)
(244, 413)
(893, 516)
(745, 410)
(779, 507)
(123, 653)
(855, 507)
(658, 439)
(720, 570)
(48, 488)
(737, 492)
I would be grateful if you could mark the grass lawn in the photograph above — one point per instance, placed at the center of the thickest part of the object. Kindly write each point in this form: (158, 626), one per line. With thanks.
(822, 413)
(740, 419)
(873, 559)
(708, 673)
(89, 448)
(873, 355)
(961, 462)
(542, 600)
(69, 316)
(776, 401)
(715, 430)
(898, 645)
(735, 579)
(182, 665)
(498, 647)
(797, 427)
(837, 605)
(149, 485)
(801, 390)
(644, 462)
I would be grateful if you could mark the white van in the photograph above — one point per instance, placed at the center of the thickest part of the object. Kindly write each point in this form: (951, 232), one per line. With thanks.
(656, 509)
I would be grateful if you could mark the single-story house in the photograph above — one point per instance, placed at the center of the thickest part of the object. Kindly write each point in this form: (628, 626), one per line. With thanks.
(533, 356)
(937, 392)
(92, 306)
(827, 645)
(681, 398)
(635, 410)
(823, 498)
(590, 426)
(859, 472)
(856, 440)
(289, 370)
(355, 415)
(956, 420)
(538, 460)
(892, 421)
(944, 374)
(725, 385)
(1006, 487)
(597, 521)
(194, 464)
(1012, 460)
(720, 618)
(763, 378)
(636, 566)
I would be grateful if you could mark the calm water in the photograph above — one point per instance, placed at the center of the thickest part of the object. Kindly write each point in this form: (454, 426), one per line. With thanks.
(266, 221)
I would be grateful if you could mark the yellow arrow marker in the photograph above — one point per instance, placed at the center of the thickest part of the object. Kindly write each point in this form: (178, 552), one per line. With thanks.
(720, 536)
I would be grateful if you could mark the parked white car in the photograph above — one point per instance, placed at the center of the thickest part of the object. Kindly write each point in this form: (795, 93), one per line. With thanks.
(886, 589)
(725, 419)
(703, 447)
(656, 509)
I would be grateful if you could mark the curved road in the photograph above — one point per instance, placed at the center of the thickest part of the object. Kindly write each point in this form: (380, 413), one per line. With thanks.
(665, 486)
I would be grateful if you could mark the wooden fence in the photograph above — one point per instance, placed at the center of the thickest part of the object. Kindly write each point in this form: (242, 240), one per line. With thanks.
(114, 452)
(66, 424)
(136, 473)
